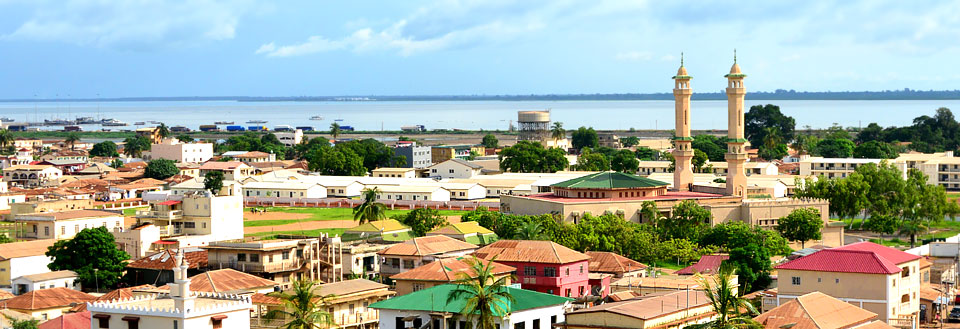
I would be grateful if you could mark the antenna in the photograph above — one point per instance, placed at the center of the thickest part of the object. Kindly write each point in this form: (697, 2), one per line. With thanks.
(681, 58)
(734, 55)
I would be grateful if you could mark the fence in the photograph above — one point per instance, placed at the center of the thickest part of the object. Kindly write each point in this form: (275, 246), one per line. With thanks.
(251, 201)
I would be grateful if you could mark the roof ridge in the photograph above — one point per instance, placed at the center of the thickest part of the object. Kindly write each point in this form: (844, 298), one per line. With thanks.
(555, 252)
(806, 312)
(210, 279)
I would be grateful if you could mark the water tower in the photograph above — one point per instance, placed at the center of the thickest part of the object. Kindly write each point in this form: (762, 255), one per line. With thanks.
(534, 125)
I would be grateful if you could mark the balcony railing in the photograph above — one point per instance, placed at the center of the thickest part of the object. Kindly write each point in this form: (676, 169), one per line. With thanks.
(549, 281)
(284, 266)
(168, 215)
(265, 323)
(357, 318)
(169, 230)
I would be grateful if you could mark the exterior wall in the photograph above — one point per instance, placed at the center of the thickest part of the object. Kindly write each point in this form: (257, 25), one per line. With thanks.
(182, 152)
(64, 229)
(453, 170)
(679, 319)
(570, 279)
(48, 206)
(136, 242)
(417, 156)
(8, 199)
(239, 319)
(355, 311)
(439, 194)
(290, 138)
(16, 267)
(221, 217)
(360, 259)
(315, 191)
(472, 193)
(388, 318)
(21, 286)
(394, 173)
(45, 314)
(352, 189)
(831, 168)
(49, 176)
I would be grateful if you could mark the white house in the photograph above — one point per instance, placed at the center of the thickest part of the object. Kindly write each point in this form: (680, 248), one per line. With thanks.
(213, 218)
(394, 172)
(23, 258)
(136, 240)
(429, 307)
(343, 188)
(173, 149)
(412, 192)
(454, 168)
(290, 138)
(31, 282)
(288, 189)
(466, 191)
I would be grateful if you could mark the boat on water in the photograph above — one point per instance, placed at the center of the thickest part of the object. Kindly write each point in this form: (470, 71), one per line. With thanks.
(257, 121)
(316, 117)
(86, 121)
(58, 122)
(224, 122)
(338, 120)
(113, 123)
(154, 122)
(6, 119)
(139, 123)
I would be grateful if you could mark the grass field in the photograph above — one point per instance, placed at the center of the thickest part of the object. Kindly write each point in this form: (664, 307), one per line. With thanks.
(133, 211)
(318, 214)
(939, 230)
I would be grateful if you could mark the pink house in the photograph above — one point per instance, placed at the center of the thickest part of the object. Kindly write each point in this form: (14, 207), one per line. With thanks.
(543, 266)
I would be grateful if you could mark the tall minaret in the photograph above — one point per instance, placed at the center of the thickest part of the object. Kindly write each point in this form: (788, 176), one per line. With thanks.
(183, 300)
(736, 152)
(682, 152)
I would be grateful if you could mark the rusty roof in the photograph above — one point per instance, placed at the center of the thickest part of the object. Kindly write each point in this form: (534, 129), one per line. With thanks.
(75, 214)
(47, 298)
(609, 262)
(122, 293)
(527, 251)
(222, 165)
(427, 245)
(348, 287)
(228, 281)
(706, 265)
(163, 260)
(25, 248)
(448, 270)
(813, 311)
(652, 306)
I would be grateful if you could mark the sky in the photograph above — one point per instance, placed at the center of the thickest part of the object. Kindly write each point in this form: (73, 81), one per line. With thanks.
(85, 48)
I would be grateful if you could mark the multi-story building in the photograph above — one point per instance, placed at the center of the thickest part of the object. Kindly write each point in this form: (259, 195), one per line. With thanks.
(217, 218)
(832, 167)
(454, 169)
(818, 310)
(65, 224)
(255, 157)
(290, 138)
(443, 153)
(414, 253)
(32, 175)
(417, 156)
(350, 304)
(610, 140)
(232, 170)
(282, 260)
(151, 133)
(543, 266)
(675, 309)
(880, 279)
(444, 271)
(23, 258)
(749, 168)
(173, 149)
(68, 167)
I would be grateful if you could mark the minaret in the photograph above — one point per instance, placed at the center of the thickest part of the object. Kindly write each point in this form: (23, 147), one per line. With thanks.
(736, 152)
(682, 152)
(183, 300)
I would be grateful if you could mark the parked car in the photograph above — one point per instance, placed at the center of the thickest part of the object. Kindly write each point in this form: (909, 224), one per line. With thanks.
(954, 315)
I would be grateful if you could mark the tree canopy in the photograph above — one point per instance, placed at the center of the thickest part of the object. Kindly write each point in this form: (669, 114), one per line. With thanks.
(529, 157)
(801, 225)
(624, 161)
(161, 169)
(93, 254)
(835, 148)
(490, 141)
(711, 145)
(213, 181)
(875, 150)
(591, 161)
(761, 117)
(135, 146)
(422, 220)
(585, 137)
(104, 149)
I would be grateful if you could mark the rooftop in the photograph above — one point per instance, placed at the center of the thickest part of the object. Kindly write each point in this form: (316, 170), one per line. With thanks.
(651, 306)
(463, 228)
(706, 265)
(50, 276)
(163, 260)
(25, 248)
(386, 225)
(434, 299)
(228, 281)
(527, 251)
(47, 298)
(813, 311)
(427, 245)
(448, 270)
(348, 287)
(610, 180)
(222, 165)
(669, 195)
(69, 215)
(860, 257)
(609, 262)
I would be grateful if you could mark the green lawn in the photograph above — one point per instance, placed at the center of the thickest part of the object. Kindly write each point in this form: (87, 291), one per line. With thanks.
(254, 223)
(334, 213)
(133, 211)
(939, 230)
(270, 235)
(669, 265)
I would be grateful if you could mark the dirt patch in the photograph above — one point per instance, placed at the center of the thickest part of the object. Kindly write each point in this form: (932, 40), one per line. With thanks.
(311, 225)
(273, 215)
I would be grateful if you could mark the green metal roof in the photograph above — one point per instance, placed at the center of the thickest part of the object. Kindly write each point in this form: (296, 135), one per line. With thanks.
(610, 180)
(678, 77)
(735, 75)
(737, 140)
(483, 239)
(688, 138)
(435, 300)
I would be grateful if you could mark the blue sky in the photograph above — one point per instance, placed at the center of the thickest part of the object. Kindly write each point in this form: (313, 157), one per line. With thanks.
(83, 48)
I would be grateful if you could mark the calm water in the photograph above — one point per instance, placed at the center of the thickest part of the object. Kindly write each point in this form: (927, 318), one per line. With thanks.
(469, 115)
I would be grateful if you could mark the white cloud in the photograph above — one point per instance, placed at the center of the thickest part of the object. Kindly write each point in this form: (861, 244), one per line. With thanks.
(132, 24)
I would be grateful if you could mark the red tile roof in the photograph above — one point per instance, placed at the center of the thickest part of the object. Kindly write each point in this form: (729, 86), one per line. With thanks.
(164, 260)
(707, 264)
(80, 320)
(527, 251)
(891, 254)
(861, 257)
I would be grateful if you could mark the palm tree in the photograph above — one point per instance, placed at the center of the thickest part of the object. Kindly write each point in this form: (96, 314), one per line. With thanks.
(335, 130)
(487, 297)
(370, 210)
(302, 309)
(557, 131)
(529, 231)
(72, 139)
(912, 228)
(163, 131)
(6, 138)
(726, 303)
(132, 147)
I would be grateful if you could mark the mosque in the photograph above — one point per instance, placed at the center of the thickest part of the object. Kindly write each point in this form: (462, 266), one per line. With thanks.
(624, 194)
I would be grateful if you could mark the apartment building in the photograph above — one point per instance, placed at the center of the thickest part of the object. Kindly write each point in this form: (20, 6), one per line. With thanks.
(173, 149)
(64, 224)
(350, 304)
(289, 138)
(414, 253)
(417, 156)
(280, 260)
(543, 266)
(216, 218)
(32, 175)
(832, 167)
(876, 278)
(749, 168)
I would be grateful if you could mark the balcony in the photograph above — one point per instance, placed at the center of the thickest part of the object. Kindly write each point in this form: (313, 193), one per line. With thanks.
(169, 230)
(358, 318)
(284, 266)
(549, 281)
(166, 215)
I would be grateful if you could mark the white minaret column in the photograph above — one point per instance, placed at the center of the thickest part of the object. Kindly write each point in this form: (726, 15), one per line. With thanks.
(183, 299)
(736, 144)
(683, 151)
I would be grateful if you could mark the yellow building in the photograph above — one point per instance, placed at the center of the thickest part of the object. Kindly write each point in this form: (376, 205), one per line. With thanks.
(876, 278)
(352, 298)
(675, 309)
(65, 224)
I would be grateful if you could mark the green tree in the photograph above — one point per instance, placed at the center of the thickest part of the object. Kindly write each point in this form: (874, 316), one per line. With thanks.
(557, 132)
(135, 146)
(487, 297)
(585, 137)
(22, 324)
(629, 141)
(163, 131)
(689, 220)
(93, 254)
(213, 181)
(530, 157)
(590, 161)
(4, 238)
(335, 130)
(683, 250)
(646, 153)
(104, 149)
(116, 163)
(873, 132)
(625, 161)
(712, 146)
(327, 160)
(529, 231)
(805, 144)
(422, 220)
(185, 138)
(801, 224)
(731, 309)
(875, 150)
(760, 117)
(369, 210)
(72, 140)
(835, 148)
(302, 308)
(775, 152)
(698, 161)
(6, 138)
(161, 169)
(490, 141)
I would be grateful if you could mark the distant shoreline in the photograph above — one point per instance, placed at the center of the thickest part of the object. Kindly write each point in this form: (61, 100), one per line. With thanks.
(905, 94)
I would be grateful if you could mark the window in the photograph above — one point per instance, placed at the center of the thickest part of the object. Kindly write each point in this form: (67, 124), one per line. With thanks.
(46, 230)
(581, 291)
(353, 308)
(836, 280)
(536, 323)
(550, 271)
(566, 271)
(567, 293)
(553, 319)
(529, 271)
(269, 258)
(581, 268)
(217, 323)
(407, 263)
(795, 280)
(520, 325)
(451, 171)
(241, 257)
(63, 230)
(286, 256)
(417, 286)
(189, 225)
(254, 257)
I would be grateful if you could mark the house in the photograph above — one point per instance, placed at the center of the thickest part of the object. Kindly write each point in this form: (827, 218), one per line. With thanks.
(443, 153)
(528, 310)
(31, 282)
(45, 304)
(612, 263)
(648, 167)
(150, 133)
(255, 157)
(8, 316)
(708, 264)
(288, 189)
(173, 149)
(412, 192)
(818, 310)
(394, 172)
(158, 268)
(185, 307)
(543, 266)
(225, 281)
(65, 224)
(137, 188)
(886, 280)
(386, 229)
(444, 271)
(470, 232)
(414, 253)
(23, 258)
(137, 240)
(280, 260)
(68, 167)
(75, 155)
(465, 191)
(77, 320)
(289, 138)
(232, 170)
(454, 168)
(350, 304)
(121, 293)
(32, 175)
(343, 188)
(215, 218)
(667, 309)
(23, 157)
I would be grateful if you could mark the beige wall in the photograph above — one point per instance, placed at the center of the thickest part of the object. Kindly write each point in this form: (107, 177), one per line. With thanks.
(66, 229)
(610, 320)
(404, 287)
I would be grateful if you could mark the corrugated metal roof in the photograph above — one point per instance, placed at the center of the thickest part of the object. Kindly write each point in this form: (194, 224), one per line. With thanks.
(708, 264)
(447, 270)
(609, 262)
(434, 299)
(47, 298)
(526, 251)
(610, 180)
(846, 261)
(814, 311)
(428, 245)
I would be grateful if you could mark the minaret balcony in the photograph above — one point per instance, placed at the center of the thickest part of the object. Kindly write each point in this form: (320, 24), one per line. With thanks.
(738, 157)
(736, 91)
